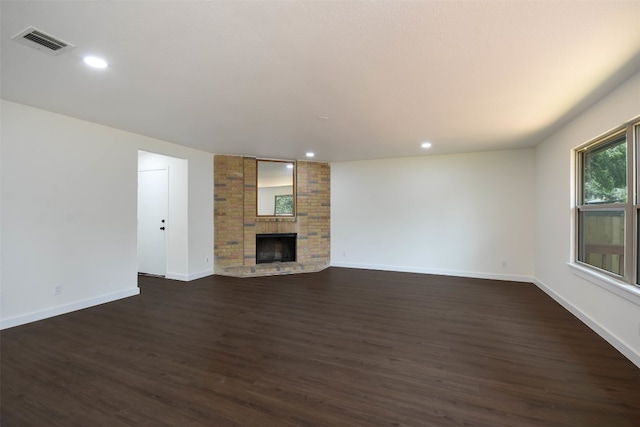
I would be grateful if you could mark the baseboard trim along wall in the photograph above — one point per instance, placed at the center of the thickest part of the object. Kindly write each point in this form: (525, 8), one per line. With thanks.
(597, 328)
(456, 273)
(189, 277)
(66, 308)
(200, 275)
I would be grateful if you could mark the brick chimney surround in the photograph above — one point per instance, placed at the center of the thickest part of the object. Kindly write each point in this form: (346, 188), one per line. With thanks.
(236, 223)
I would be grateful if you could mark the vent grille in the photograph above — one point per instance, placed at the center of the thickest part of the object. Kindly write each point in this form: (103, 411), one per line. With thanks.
(42, 41)
(45, 40)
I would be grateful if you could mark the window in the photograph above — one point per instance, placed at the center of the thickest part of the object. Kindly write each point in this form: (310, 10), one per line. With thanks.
(606, 203)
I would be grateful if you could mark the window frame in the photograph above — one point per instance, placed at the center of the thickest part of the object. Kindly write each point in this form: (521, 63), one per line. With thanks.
(631, 208)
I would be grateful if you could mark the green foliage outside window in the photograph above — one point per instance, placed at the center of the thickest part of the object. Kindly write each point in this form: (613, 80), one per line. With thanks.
(605, 174)
(284, 205)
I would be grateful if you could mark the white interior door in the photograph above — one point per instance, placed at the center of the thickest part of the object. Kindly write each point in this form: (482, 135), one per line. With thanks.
(153, 206)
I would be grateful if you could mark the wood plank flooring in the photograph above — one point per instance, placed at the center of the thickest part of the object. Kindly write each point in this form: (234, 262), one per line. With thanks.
(341, 347)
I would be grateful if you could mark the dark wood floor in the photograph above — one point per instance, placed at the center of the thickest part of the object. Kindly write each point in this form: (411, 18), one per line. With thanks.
(338, 348)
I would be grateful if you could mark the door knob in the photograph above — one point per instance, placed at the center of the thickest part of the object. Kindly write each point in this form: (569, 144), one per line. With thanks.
(161, 228)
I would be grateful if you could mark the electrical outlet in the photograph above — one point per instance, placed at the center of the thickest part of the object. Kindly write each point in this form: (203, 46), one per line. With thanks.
(57, 290)
(504, 263)
(344, 253)
(207, 259)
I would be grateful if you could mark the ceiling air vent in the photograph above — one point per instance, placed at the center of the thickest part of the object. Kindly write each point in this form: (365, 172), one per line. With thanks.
(42, 41)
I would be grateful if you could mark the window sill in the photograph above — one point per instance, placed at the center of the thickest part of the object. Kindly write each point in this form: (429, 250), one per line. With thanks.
(618, 287)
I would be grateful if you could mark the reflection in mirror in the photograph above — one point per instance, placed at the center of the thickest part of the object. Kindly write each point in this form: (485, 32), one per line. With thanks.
(276, 195)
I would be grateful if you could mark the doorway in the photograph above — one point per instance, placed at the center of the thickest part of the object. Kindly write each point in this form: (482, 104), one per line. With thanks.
(163, 195)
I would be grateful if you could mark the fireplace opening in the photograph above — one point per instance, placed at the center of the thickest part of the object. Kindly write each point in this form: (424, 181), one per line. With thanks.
(275, 248)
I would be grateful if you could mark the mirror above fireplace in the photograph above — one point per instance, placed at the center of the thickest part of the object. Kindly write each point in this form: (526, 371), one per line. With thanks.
(276, 188)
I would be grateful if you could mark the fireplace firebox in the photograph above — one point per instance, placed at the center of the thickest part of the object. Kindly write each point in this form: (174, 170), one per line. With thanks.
(275, 248)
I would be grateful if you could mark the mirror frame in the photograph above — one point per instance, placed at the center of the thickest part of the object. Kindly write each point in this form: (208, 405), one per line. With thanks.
(293, 185)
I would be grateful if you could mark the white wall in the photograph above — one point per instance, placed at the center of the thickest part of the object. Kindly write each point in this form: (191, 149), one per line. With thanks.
(69, 203)
(455, 214)
(615, 317)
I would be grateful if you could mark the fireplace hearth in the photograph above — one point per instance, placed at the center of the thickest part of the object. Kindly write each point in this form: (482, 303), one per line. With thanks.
(275, 248)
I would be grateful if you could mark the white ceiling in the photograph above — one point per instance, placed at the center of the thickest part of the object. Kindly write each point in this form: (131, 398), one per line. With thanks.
(346, 79)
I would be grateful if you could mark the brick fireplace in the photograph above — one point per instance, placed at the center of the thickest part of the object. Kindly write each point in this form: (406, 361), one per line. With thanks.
(236, 224)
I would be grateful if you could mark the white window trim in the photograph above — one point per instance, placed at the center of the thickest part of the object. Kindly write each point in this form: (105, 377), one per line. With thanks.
(611, 284)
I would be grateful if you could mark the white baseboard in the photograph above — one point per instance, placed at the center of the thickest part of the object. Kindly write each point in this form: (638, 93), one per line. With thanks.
(175, 276)
(66, 308)
(456, 273)
(189, 277)
(200, 275)
(597, 328)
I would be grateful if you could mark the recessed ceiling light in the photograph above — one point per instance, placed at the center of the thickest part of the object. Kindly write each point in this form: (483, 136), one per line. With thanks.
(426, 145)
(310, 154)
(95, 62)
